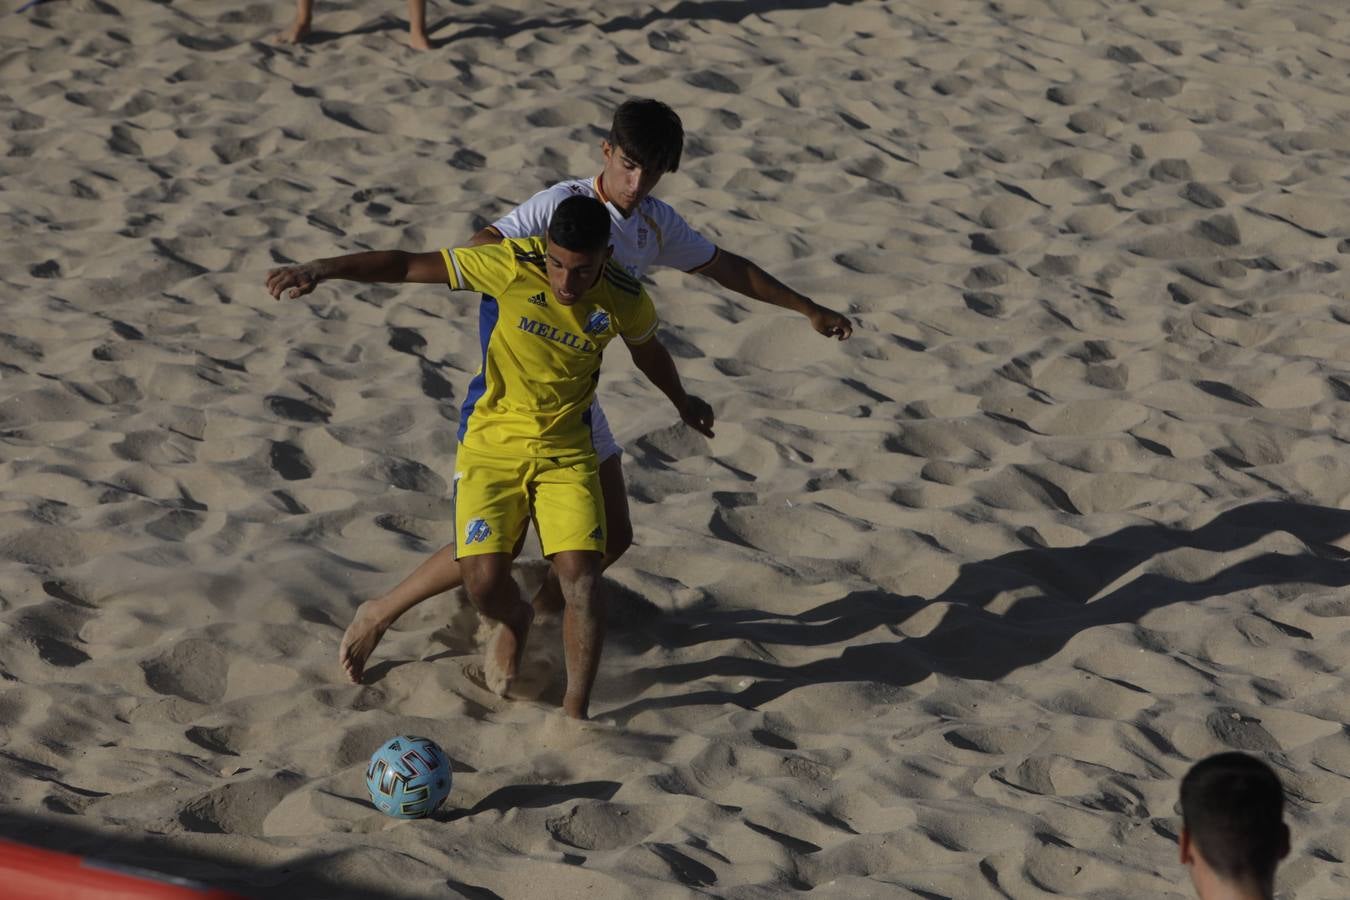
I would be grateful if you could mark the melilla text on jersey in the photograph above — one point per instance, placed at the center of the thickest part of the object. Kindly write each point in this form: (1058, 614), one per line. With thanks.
(554, 333)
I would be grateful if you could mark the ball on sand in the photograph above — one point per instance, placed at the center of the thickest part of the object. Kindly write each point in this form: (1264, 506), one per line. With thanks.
(408, 777)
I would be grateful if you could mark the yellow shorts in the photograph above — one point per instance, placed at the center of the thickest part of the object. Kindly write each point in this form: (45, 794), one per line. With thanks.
(496, 496)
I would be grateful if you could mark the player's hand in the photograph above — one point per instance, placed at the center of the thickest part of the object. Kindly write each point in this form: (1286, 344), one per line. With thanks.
(298, 280)
(697, 415)
(830, 323)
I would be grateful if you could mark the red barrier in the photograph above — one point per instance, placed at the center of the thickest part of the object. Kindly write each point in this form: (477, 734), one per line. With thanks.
(27, 873)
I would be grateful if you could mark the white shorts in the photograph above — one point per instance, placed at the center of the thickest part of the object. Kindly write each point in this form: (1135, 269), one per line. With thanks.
(601, 437)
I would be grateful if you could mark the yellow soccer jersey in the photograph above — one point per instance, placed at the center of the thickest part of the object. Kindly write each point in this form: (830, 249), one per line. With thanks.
(541, 359)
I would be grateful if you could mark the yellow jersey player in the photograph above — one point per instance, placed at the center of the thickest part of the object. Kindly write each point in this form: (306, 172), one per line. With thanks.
(550, 306)
(645, 142)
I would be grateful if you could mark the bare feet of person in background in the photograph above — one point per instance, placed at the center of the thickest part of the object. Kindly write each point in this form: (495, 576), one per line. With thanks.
(304, 14)
(296, 33)
(417, 25)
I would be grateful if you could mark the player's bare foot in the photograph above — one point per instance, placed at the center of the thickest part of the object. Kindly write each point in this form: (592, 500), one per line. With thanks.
(505, 649)
(360, 639)
(418, 41)
(295, 34)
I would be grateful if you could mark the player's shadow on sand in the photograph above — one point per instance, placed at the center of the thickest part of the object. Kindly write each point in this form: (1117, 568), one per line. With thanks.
(1068, 590)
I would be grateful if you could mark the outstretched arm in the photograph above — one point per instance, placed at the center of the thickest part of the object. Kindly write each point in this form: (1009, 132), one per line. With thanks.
(391, 266)
(739, 274)
(652, 358)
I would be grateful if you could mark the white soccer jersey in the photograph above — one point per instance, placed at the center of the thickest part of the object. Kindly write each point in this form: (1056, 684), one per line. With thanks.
(654, 235)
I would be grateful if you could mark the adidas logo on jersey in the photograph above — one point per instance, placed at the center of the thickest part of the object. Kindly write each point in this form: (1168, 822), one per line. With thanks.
(538, 299)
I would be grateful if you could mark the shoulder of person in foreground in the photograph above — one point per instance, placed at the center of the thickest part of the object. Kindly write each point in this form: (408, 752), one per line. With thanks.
(489, 268)
(635, 315)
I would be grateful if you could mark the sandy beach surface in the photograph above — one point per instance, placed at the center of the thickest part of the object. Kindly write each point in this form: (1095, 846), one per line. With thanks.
(944, 611)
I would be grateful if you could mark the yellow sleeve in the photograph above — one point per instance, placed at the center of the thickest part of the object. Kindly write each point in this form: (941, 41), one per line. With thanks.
(488, 269)
(640, 325)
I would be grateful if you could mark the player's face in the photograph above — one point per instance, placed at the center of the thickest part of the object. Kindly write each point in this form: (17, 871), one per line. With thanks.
(625, 182)
(572, 273)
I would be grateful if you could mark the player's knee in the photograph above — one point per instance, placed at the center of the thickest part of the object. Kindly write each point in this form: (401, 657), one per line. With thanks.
(487, 584)
(575, 567)
(478, 581)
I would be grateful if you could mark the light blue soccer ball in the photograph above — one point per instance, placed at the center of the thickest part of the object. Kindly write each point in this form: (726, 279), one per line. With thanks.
(409, 777)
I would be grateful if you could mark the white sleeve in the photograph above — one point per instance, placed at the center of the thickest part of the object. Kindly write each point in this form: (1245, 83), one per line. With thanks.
(680, 246)
(531, 218)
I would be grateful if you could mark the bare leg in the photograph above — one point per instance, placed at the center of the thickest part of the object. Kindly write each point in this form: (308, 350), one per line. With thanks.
(618, 537)
(583, 625)
(304, 14)
(488, 580)
(439, 572)
(417, 25)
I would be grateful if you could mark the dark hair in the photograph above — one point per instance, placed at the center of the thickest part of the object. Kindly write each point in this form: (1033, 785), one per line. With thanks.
(580, 224)
(1233, 805)
(649, 133)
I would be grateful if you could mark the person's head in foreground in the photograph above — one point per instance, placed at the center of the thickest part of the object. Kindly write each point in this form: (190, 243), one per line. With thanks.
(578, 247)
(1233, 833)
(645, 142)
